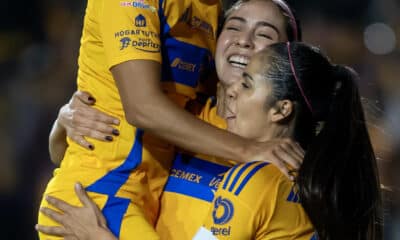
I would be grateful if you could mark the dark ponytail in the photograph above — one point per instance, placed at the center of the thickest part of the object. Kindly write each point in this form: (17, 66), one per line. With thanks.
(338, 181)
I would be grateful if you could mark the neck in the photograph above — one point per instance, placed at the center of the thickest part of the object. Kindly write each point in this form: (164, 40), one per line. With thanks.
(278, 131)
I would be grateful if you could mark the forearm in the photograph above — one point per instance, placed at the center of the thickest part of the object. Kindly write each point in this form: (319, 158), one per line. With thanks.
(147, 107)
(161, 117)
(57, 143)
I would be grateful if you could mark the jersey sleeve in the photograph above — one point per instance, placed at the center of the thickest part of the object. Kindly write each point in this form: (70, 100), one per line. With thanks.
(255, 201)
(130, 30)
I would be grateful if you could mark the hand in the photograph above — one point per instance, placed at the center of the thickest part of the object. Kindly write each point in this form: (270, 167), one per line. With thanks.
(81, 120)
(83, 223)
(279, 152)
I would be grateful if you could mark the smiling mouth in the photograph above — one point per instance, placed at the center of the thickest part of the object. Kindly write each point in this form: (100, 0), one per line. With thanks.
(238, 61)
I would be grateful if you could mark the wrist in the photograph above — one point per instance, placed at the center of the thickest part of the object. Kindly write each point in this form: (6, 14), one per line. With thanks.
(103, 234)
(244, 151)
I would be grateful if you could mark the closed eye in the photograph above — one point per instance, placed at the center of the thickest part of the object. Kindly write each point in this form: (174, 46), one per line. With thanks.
(265, 36)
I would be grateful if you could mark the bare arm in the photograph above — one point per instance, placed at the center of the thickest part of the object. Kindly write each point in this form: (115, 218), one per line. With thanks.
(147, 107)
(57, 143)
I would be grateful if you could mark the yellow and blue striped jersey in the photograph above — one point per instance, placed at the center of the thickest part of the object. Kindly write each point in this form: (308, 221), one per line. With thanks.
(256, 201)
(180, 35)
(191, 186)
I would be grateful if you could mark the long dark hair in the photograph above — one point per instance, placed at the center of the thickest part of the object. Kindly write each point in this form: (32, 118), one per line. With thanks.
(293, 27)
(338, 181)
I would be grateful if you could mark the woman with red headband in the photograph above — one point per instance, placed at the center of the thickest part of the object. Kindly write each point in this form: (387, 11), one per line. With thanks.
(292, 90)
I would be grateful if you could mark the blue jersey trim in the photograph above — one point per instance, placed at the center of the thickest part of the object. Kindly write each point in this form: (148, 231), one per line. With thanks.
(111, 182)
(293, 197)
(184, 63)
(247, 178)
(230, 175)
(314, 237)
(114, 212)
(242, 169)
(195, 177)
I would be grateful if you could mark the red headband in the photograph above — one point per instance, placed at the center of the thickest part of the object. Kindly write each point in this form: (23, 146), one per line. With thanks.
(297, 79)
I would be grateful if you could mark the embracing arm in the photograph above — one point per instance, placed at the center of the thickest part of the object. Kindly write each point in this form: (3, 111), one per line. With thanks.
(147, 107)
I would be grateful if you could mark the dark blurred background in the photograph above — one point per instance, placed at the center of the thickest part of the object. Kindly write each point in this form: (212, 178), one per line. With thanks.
(39, 44)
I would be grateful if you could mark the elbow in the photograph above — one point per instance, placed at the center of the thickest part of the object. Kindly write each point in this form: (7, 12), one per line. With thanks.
(138, 118)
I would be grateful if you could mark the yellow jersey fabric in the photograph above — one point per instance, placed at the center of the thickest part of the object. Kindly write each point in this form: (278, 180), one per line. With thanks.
(133, 167)
(256, 201)
(190, 187)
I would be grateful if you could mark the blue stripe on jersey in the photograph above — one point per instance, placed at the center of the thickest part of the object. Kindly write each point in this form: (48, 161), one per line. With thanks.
(230, 175)
(114, 211)
(293, 196)
(247, 178)
(164, 27)
(242, 169)
(184, 63)
(195, 177)
(314, 237)
(111, 182)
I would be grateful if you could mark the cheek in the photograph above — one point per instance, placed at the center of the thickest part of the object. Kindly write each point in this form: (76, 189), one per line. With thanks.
(252, 120)
(262, 44)
(219, 55)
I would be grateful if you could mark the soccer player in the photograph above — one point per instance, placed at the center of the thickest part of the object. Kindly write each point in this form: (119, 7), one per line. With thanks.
(336, 192)
(122, 47)
(299, 94)
(256, 24)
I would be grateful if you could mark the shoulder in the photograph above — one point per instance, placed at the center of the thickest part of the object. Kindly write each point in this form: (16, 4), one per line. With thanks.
(254, 178)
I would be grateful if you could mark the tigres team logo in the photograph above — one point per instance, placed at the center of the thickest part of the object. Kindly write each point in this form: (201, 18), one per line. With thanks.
(223, 210)
(140, 21)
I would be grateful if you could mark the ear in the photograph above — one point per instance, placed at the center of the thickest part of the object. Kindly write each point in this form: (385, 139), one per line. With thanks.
(282, 111)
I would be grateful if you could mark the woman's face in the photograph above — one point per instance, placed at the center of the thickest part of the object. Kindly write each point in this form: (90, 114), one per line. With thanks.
(247, 113)
(251, 27)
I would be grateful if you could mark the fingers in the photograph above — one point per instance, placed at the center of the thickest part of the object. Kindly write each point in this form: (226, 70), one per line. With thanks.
(95, 122)
(287, 156)
(88, 202)
(84, 97)
(54, 215)
(279, 163)
(55, 231)
(293, 150)
(82, 195)
(59, 204)
(81, 141)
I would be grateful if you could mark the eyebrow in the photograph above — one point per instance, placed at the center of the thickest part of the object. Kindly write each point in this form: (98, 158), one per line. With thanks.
(261, 23)
(247, 76)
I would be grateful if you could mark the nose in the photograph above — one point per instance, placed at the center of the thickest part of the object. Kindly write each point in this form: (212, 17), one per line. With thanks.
(233, 90)
(245, 40)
